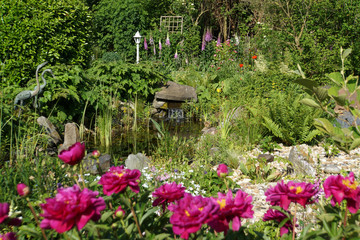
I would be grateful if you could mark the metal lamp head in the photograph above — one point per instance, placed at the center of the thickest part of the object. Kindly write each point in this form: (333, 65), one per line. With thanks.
(137, 37)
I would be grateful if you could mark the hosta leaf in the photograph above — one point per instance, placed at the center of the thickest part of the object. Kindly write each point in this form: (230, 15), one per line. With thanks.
(309, 102)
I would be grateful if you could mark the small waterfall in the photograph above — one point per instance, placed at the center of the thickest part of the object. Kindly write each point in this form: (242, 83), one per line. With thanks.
(175, 113)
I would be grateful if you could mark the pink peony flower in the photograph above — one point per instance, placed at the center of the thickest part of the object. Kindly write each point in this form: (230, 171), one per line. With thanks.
(168, 193)
(70, 207)
(96, 153)
(231, 209)
(278, 216)
(118, 178)
(4, 211)
(222, 170)
(190, 213)
(145, 44)
(22, 189)
(283, 194)
(74, 154)
(120, 213)
(343, 188)
(8, 236)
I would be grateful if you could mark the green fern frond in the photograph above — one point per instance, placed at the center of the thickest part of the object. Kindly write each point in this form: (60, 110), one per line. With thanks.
(272, 127)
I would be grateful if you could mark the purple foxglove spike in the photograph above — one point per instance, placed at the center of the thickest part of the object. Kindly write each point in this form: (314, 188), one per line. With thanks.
(176, 55)
(208, 36)
(160, 46)
(154, 50)
(203, 45)
(218, 44)
(167, 42)
(145, 44)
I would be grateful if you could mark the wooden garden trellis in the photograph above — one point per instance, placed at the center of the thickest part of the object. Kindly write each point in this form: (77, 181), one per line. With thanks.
(172, 23)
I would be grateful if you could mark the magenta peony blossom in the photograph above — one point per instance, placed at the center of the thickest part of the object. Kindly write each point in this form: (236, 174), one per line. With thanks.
(167, 42)
(190, 213)
(343, 188)
(145, 44)
(231, 209)
(74, 154)
(283, 194)
(70, 207)
(118, 178)
(8, 236)
(222, 170)
(120, 213)
(168, 193)
(22, 189)
(4, 211)
(278, 216)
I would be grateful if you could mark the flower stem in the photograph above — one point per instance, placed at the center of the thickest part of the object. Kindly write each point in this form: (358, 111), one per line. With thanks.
(135, 218)
(79, 233)
(294, 223)
(345, 220)
(36, 218)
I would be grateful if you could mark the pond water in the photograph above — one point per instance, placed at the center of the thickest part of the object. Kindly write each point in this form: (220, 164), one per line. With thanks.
(125, 142)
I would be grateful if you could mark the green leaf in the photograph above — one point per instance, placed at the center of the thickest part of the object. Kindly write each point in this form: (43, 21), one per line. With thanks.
(147, 214)
(324, 125)
(337, 78)
(346, 53)
(334, 90)
(309, 84)
(309, 102)
(355, 144)
(106, 215)
(340, 100)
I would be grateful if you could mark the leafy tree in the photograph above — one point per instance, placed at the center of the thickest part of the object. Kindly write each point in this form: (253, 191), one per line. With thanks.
(32, 32)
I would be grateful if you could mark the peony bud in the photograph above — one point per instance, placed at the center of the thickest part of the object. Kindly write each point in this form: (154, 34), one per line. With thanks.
(120, 213)
(22, 189)
(96, 153)
(222, 170)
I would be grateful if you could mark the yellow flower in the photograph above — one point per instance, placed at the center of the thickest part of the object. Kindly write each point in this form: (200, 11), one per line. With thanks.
(218, 90)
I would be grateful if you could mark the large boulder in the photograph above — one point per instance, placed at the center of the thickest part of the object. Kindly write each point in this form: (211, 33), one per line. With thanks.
(50, 129)
(71, 136)
(138, 161)
(302, 161)
(176, 92)
(96, 166)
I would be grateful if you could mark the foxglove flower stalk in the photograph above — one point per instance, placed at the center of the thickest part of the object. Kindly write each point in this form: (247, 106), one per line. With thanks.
(343, 188)
(231, 209)
(208, 35)
(71, 207)
(203, 44)
(278, 216)
(145, 44)
(160, 46)
(176, 55)
(218, 43)
(118, 178)
(222, 170)
(22, 189)
(168, 193)
(74, 154)
(154, 50)
(190, 213)
(167, 42)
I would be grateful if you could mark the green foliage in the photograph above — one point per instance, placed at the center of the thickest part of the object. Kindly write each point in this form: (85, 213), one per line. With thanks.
(289, 120)
(35, 31)
(343, 92)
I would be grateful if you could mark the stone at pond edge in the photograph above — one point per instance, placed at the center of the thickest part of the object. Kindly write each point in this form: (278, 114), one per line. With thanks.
(268, 157)
(71, 136)
(138, 161)
(91, 164)
(176, 92)
(301, 161)
(331, 169)
(50, 130)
